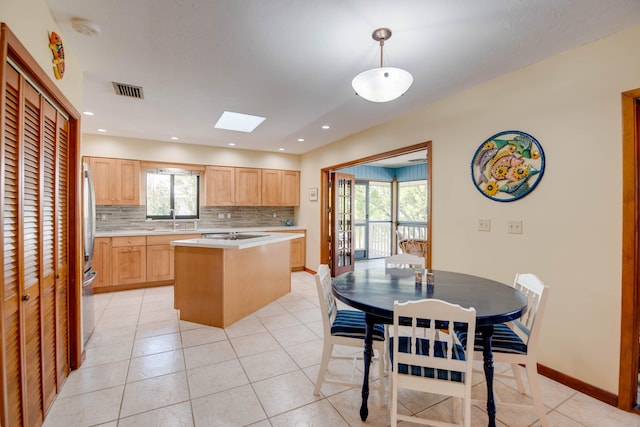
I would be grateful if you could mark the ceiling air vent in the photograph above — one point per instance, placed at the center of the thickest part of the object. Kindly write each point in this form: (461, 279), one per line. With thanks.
(128, 90)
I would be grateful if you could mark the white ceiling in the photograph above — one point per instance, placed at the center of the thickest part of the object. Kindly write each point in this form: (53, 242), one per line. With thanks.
(292, 61)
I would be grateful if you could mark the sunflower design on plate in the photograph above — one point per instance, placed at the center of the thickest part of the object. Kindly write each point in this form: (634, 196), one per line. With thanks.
(507, 166)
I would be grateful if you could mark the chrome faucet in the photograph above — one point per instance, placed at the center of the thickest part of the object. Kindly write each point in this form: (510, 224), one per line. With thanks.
(173, 217)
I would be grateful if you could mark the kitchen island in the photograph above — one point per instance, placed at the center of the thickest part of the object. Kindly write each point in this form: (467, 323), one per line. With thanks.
(223, 278)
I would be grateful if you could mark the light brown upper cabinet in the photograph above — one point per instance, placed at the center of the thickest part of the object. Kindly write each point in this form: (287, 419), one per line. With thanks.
(248, 186)
(229, 186)
(219, 186)
(116, 181)
(280, 187)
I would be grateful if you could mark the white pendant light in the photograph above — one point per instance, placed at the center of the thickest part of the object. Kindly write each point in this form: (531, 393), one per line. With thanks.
(382, 84)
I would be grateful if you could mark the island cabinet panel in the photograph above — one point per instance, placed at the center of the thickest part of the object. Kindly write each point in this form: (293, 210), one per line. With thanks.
(248, 186)
(128, 260)
(101, 262)
(219, 184)
(218, 287)
(116, 181)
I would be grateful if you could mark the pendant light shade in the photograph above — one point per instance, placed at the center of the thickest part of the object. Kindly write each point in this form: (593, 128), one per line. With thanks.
(382, 84)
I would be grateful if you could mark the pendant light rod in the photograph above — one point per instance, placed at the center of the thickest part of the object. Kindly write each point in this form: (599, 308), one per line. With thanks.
(380, 35)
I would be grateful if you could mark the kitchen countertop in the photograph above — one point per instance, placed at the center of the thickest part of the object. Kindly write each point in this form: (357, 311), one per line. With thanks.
(156, 232)
(264, 239)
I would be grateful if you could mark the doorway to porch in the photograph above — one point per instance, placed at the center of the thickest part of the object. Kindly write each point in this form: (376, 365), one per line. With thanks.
(376, 214)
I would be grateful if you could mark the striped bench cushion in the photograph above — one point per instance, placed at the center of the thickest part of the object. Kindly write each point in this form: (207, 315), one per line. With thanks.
(504, 340)
(351, 323)
(404, 346)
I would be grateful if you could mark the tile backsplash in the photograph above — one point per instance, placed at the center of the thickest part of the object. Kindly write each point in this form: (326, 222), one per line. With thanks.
(115, 218)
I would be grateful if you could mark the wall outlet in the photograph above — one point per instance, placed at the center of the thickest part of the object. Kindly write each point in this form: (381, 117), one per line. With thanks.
(220, 216)
(514, 227)
(228, 215)
(103, 217)
(274, 215)
(484, 225)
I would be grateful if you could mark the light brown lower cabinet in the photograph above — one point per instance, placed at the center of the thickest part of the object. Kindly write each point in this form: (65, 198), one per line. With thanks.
(102, 261)
(298, 250)
(160, 256)
(128, 260)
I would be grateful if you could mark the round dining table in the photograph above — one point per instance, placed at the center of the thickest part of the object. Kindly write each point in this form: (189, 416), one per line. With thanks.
(375, 290)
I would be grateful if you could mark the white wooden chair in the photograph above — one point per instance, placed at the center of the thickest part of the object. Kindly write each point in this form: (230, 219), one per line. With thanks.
(404, 261)
(344, 327)
(436, 363)
(516, 343)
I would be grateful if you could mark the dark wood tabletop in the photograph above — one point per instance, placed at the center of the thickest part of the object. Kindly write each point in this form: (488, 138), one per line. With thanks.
(374, 291)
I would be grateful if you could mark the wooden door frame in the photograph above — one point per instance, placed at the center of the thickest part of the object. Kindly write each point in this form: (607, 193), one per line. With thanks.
(324, 193)
(11, 48)
(630, 314)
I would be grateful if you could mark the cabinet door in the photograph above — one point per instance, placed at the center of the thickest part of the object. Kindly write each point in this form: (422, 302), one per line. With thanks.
(101, 171)
(159, 263)
(219, 186)
(128, 265)
(290, 188)
(271, 187)
(116, 181)
(298, 254)
(102, 261)
(127, 182)
(248, 186)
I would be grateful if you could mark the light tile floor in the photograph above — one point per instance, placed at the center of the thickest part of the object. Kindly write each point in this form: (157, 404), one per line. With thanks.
(145, 367)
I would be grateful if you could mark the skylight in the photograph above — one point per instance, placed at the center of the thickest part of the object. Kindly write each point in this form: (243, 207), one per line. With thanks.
(238, 122)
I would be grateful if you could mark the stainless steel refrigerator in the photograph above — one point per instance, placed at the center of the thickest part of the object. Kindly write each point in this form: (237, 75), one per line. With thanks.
(89, 230)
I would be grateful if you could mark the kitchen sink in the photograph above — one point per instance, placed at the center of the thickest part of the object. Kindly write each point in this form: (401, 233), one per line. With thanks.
(230, 236)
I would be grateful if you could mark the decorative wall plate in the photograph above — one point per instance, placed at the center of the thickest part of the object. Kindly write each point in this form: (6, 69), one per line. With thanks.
(507, 166)
(55, 44)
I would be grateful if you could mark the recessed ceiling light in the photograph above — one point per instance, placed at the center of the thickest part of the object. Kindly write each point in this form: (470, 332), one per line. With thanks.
(238, 122)
(280, 149)
(326, 127)
(102, 130)
(174, 138)
(87, 113)
(232, 144)
(300, 139)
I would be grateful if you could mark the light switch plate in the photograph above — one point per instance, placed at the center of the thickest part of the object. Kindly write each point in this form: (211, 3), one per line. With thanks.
(484, 225)
(514, 227)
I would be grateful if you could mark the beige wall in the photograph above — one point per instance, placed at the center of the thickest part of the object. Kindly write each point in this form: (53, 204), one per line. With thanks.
(31, 22)
(571, 221)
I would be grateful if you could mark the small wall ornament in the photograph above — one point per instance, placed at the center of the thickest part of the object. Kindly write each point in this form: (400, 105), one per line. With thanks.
(507, 166)
(55, 44)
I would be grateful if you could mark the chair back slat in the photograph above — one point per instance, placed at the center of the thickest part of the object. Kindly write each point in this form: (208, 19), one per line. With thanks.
(528, 325)
(325, 296)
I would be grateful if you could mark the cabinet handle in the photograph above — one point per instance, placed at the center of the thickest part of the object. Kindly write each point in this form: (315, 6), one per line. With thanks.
(58, 276)
(26, 297)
